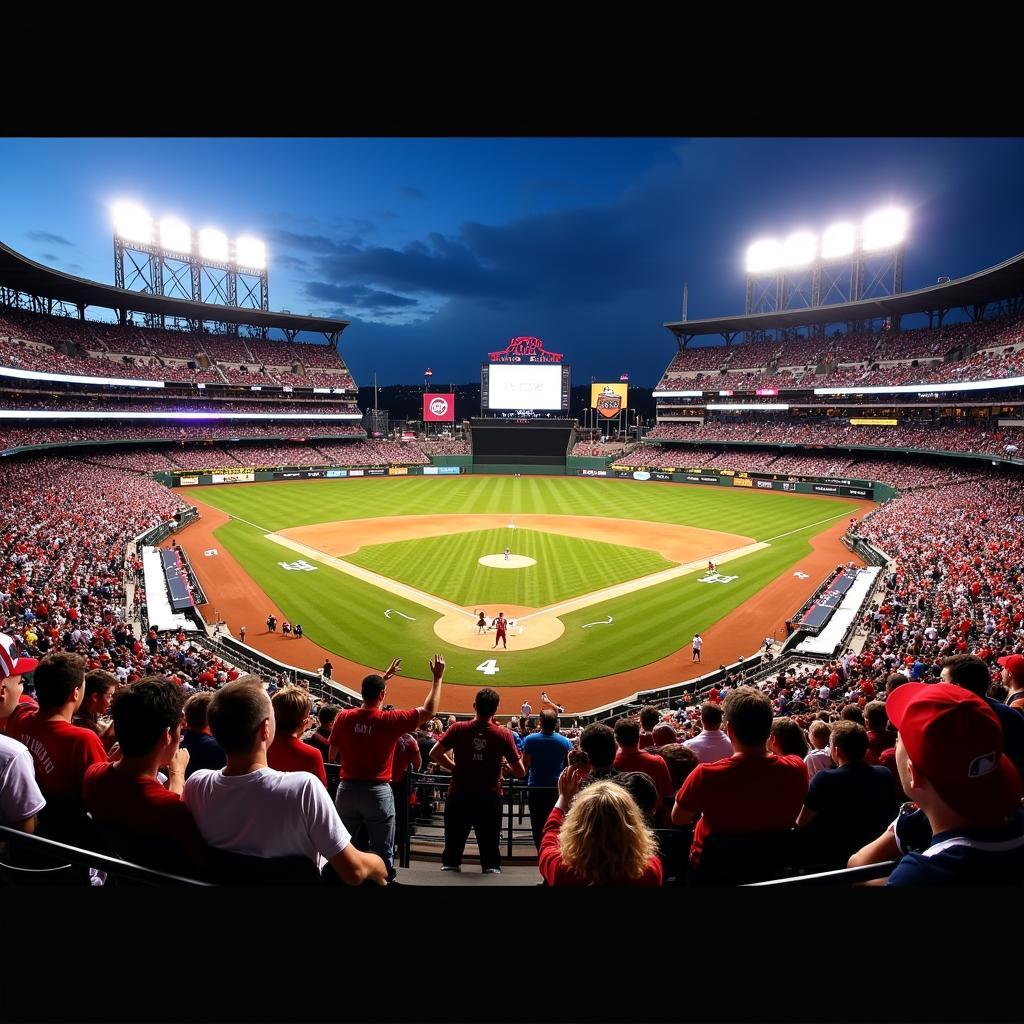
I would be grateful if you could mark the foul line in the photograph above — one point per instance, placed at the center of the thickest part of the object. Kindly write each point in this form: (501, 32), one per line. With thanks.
(800, 529)
(255, 526)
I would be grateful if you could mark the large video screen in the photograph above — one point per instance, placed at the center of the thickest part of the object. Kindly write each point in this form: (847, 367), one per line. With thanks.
(525, 386)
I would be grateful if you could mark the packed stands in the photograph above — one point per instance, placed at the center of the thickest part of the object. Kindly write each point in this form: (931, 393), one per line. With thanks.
(374, 453)
(77, 430)
(443, 446)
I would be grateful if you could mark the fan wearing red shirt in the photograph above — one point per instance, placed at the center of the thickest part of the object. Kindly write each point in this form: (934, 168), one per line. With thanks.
(602, 840)
(15, 704)
(288, 753)
(631, 758)
(474, 752)
(752, 791)
(649, 718)
(364, 739)
(61, 751)
(144, 822)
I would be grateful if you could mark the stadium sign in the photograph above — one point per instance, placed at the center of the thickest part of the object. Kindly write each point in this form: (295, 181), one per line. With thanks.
(525, 350)
(438, 408)
(609, 399)
(589, 472)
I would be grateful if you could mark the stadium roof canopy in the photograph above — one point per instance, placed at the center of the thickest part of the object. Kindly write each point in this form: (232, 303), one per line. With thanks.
(1004, 281)
(24, 275)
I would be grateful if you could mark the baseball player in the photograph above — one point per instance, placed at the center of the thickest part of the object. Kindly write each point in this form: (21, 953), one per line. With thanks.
(501, 630)
(508, 554)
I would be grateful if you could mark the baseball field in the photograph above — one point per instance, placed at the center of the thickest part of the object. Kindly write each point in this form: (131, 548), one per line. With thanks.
(604, 579)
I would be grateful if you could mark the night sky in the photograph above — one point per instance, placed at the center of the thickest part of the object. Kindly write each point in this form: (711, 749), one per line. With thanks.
(439, 251)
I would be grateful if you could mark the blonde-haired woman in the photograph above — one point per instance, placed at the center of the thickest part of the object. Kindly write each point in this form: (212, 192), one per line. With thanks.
(602, 840)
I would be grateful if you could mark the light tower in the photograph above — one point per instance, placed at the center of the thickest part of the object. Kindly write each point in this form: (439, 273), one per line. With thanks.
(169, 258)
(847, 263)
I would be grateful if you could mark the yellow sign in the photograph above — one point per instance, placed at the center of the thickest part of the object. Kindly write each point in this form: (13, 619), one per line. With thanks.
(740, 481)
(609, 399)
(874, 423)
(398, 471)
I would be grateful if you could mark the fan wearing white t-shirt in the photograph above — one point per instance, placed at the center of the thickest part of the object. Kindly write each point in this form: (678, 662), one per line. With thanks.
(20, 798)
(249, 808)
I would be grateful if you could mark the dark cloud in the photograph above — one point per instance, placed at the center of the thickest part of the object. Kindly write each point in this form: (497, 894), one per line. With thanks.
(49, 238)
(294, 240)
(50, 257)
(282, 259)
(359, 297)
(411, 193)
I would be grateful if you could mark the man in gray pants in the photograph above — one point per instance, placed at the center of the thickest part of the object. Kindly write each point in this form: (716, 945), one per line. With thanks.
(364, 741)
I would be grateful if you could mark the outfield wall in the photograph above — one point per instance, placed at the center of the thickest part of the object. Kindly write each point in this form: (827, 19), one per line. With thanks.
(837, 486)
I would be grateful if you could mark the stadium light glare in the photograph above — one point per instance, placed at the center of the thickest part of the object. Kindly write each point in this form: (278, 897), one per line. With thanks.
(132, 223)
(764, 256)
(250, 252)
(175, 236)
(799, 249)
(838, 240)
(884, 229)
(213, 245)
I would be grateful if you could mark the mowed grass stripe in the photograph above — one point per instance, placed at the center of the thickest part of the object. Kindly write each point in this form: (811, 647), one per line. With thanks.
(756, 514)
(449, 566)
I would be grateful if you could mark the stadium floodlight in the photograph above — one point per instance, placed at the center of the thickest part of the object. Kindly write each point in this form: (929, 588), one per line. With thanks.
(799, 249)
(132, 223)
(175, 236)
(764, 256)
(250, 252)
(213, 245)
(884, 229)
(837, 241)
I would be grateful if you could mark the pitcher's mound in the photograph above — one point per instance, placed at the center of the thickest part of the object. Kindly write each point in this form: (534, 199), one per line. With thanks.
(513, 562)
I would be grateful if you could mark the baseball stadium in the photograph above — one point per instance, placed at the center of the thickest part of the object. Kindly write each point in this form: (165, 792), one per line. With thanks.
(750, 566)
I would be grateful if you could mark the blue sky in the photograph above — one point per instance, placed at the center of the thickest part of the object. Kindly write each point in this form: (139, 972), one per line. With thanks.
(440, 250)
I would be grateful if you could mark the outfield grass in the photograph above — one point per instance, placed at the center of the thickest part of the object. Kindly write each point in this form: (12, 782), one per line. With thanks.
(449, 566)
(757, 514)
(346, 616)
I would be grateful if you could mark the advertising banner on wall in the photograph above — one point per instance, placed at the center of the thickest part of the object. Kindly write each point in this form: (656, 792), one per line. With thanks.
(438, 408)
(609, 399)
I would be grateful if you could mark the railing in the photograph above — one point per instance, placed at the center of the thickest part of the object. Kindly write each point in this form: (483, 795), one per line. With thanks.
(844, 876)
(62, 855)
(516, 827)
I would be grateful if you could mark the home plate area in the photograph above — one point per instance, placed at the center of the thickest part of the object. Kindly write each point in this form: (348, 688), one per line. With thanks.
(538, 630)
(512, 562)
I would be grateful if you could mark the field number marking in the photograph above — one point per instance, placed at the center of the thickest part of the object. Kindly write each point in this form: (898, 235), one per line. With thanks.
(387, 614)
(300, 565)
(488, 667)
(716, 577)
(602, 622)
(801, 575)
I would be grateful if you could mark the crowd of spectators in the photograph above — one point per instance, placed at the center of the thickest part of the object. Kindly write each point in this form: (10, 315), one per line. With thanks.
(993, 342)
(77, 430)
(443, 446)
(199, 403)
(141, 352)
(376, 452)
(1004, 442)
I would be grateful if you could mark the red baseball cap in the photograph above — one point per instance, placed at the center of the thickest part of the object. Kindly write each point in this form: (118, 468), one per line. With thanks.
(956, 740)
(10, 663)
(1014, 664)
